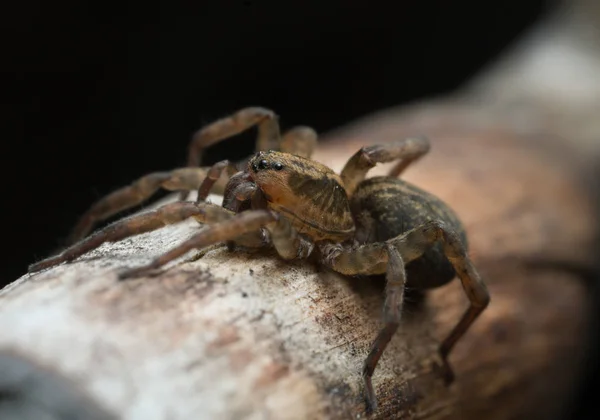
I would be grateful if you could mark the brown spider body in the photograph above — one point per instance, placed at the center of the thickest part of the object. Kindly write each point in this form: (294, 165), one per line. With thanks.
(282, 199)
(310, 195)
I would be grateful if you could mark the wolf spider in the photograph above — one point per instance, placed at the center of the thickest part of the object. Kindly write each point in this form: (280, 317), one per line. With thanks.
(352, 224)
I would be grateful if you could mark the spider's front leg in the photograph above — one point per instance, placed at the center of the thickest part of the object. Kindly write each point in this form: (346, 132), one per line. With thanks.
(134, 225)
(182, 179)
(376, 258)
(244, 226)
(299, 140)
(239, 225)
(212, 176)
(268, 131)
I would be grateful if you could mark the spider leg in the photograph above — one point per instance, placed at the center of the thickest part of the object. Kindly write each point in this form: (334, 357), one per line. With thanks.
(373, 259)
(287, 242)
(213, 175)
(412, 245)
(406, 151)
(238, 190)
(392, 310)
(145, 222)
(283, 236)
(268, 131)
(232, 228)
(136, 193)
(269, 136)
(300, 141)
(241, 195)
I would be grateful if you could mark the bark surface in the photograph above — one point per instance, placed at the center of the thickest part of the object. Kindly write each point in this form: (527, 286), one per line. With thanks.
(246, 335)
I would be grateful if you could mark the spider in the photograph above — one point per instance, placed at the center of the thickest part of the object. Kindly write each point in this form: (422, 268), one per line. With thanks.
(281, 199)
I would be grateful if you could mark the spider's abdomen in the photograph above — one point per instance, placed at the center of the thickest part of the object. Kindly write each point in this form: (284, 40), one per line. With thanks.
(385, 207)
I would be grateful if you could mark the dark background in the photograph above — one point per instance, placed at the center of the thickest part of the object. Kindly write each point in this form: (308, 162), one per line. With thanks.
(94, 96)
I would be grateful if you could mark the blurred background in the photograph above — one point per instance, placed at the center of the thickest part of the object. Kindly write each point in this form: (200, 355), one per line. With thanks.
(95, 96)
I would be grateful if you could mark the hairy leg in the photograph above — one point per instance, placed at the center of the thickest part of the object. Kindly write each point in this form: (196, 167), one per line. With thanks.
(268, 131)
(300, 141)
(238, 193)
(241, 195)
(412, 244)
(145, 222)
(136, 193)
(374, 259)
(269, 136)
(392, 311)
(406, 151)
(287, 242)
(252, 220)
(213, 175)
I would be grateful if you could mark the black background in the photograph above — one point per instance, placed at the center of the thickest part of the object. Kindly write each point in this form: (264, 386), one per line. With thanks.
(93, 96)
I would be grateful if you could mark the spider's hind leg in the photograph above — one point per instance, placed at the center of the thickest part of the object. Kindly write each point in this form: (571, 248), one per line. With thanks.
(392, 311)
(415, 242)
(370, 259)
(374, 258)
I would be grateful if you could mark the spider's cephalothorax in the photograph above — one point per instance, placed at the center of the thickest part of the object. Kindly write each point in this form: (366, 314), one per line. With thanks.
(307, 193)
(282, 199)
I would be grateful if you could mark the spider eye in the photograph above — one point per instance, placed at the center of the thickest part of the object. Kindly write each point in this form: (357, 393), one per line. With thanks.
(277, 166)
(263, 164)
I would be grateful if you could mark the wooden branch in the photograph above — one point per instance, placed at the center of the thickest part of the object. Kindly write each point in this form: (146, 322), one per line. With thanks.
(221, 335)
(236, 335)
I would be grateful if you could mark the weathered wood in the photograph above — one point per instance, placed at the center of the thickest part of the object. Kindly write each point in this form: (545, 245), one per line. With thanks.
(249, 336)
(221, 335)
